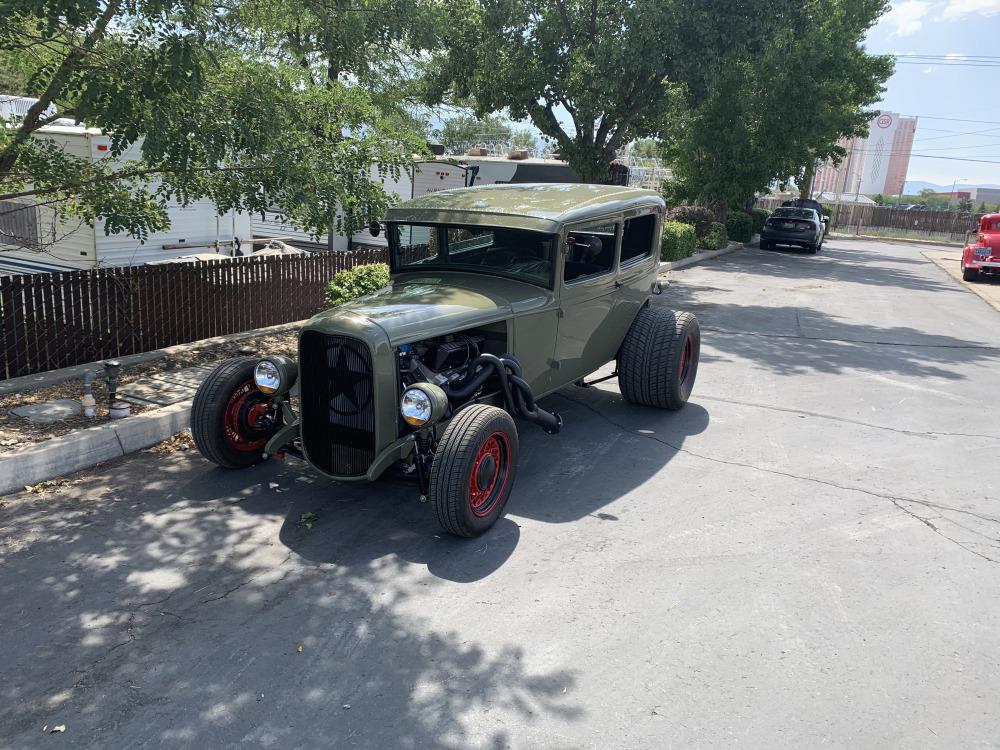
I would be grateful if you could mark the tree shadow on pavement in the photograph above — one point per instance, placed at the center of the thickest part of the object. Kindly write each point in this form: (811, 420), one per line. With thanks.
(165, 611)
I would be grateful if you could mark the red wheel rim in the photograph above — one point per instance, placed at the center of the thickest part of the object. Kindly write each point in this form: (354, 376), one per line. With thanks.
(245, 407)
(686, 358)
(489, 474)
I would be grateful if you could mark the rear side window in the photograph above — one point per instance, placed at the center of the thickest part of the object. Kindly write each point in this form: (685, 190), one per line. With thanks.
(590, 251)
(637, 238)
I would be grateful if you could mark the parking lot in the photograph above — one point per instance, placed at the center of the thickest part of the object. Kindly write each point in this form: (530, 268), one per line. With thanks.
(806, 555)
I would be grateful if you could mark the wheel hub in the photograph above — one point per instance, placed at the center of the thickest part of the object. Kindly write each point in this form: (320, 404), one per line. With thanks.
(487, 470)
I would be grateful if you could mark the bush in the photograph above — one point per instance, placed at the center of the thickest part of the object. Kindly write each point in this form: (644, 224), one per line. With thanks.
(739, 226)
(759, 216)
(356, 282)
(699, 217)
(679, 240)
(716, 238)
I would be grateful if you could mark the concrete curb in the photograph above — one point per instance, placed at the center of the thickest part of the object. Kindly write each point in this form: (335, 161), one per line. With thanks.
(85, 448)
(28, 383)
(989, 293)
(699, 257)
(892, 240)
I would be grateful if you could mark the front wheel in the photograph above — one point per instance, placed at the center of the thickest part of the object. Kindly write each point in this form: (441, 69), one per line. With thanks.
(473, 470)
(231, 420)
(658, 361)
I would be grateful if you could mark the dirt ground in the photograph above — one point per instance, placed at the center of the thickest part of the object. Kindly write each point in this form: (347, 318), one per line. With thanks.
(16, 432)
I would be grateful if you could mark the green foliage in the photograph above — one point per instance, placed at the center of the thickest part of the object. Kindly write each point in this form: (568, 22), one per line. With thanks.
(591, 75)
(463, 131)
(699, 217)
(716, 238)
(739, 226)
(759, 216)
(221, 110)
(773, 115)
(965, 205)
(356, 282)
(679, 241)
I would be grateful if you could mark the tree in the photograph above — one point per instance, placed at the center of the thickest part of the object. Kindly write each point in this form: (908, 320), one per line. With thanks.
(982, 207)
(249, 133)
(591, 75)
(965, 205)
(772, 116)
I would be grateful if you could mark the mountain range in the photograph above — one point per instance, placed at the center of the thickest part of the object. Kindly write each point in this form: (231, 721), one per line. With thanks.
(913, 187)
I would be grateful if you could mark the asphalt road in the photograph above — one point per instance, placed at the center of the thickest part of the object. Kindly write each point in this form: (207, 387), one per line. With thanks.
(806, 556)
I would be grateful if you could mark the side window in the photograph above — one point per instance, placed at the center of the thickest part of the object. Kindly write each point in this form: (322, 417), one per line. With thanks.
(637, 239)
(590, 251)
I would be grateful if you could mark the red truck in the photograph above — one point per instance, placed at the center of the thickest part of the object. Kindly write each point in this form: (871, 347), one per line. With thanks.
(983, 254)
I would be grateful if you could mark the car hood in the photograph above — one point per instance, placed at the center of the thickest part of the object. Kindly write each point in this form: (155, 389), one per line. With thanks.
(423, 305)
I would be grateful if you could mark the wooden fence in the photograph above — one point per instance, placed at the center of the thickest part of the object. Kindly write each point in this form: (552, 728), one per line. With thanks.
(54, 320)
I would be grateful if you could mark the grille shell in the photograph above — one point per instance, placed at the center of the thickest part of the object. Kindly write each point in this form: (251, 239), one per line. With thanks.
(337, 385)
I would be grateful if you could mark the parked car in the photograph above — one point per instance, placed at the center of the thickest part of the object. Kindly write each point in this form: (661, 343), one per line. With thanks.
(499, 295)
(800, 227)
(814, 205)
(982, 251)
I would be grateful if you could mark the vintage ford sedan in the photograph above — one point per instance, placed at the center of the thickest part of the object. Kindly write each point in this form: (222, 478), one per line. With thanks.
(499, 295)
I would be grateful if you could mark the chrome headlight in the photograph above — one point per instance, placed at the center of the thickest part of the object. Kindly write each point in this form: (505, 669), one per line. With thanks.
(275, 375)
(423, 404)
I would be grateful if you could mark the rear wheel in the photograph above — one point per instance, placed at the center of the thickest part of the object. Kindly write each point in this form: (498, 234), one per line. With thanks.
(231, 419)
(473, 470)
(970, 274)
(658, 361)
(813, 248)
(765, 245)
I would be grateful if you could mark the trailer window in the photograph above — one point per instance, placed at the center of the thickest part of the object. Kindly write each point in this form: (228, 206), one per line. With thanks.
(18, 224)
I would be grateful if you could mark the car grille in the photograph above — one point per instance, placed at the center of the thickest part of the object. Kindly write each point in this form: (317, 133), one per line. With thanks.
(337, 397)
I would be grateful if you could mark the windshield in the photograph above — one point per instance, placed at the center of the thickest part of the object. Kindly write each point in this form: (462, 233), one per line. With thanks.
(509, 252)
(797, 213)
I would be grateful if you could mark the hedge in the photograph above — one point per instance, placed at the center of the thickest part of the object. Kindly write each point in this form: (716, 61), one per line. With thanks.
(716, 239)
(679, 241)
(356, 282)
(759, 216)
(739, 226)
(699, 217)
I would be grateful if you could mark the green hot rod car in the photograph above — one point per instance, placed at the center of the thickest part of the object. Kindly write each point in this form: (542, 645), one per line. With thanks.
(499, 296)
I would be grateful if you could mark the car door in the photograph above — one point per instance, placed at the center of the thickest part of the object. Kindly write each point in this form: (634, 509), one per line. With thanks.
(641, 231)
(587, 298)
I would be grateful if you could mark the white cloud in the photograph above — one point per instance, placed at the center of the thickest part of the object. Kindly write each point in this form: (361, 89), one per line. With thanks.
(907, 17)
(929, 69)
(961, 8)
(954, 56)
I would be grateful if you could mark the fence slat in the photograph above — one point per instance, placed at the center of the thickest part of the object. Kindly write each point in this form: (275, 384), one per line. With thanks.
(59, 320)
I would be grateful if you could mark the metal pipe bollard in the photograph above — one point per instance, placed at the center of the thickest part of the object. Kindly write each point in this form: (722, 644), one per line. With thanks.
(116, 409)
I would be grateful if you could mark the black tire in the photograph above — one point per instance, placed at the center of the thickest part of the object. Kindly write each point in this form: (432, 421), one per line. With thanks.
(812, 249)
(469, 491)
(970, 274)
(223, 413)
(765, 245)
(658, 361)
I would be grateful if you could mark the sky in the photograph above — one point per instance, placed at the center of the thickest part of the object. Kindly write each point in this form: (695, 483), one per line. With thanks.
(955, 99)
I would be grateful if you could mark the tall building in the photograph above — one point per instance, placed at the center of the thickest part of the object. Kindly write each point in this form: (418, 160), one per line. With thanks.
(874, 164)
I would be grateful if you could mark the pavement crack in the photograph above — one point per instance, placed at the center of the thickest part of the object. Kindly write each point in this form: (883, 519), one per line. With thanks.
(903, 344)
(931, 434)
(894, 499)
(227, 593)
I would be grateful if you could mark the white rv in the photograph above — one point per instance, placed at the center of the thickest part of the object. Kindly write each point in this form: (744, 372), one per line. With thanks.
(33, 239)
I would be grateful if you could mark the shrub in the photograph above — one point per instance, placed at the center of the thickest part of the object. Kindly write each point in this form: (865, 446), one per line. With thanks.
(716, 238)
(739, 226)
(699, 217)
(759, 216)
(356, 282)
(679, 240)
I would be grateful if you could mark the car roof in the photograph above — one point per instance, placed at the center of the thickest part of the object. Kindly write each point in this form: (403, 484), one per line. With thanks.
(541, 207)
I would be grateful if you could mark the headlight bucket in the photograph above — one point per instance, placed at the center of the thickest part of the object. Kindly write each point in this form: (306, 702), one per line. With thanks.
(275, 375)
(423, 404)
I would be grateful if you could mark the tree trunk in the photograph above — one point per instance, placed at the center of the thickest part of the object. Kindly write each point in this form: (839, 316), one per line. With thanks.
(805, 189)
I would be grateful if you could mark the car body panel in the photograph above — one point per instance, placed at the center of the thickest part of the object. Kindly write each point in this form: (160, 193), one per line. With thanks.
(983, 254)
(773, 232)
(558, 335)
